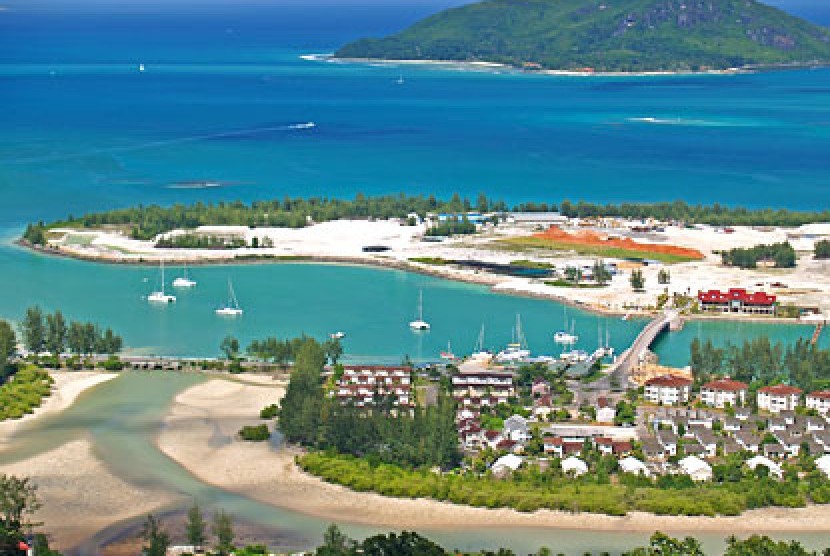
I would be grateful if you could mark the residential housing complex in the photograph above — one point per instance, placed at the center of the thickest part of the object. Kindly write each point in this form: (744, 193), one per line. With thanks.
(366, 385)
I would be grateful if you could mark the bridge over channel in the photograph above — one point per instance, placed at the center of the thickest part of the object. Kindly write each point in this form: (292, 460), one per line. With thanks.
(620, 370)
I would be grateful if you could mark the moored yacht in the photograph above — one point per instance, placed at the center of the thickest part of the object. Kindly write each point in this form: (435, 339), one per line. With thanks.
(184, 281)
(161, 296)
(419, 323)
(231, 308)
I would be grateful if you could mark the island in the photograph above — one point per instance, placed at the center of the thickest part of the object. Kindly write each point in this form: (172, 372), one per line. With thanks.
(593, 36)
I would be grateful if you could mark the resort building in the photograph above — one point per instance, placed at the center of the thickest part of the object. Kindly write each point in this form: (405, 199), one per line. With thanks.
(482, 387)
(778, 398)
(737, 300)
(668, 390)
(820, 401)
(366, 385)
(724, 392)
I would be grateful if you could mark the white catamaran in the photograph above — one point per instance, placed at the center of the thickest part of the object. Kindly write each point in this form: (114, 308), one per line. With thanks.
(184, 281)
(161, 296)
(231, 308)
(419, 323)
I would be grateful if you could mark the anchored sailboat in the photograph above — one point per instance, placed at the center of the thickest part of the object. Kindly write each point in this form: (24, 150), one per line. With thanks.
(184, 281)
(564, 337)
(517, 349)
(231, 308)
(161, 296)
(448, 355)
(419, 323)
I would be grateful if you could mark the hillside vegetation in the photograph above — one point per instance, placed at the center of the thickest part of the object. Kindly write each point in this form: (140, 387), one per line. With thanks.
(607, 35)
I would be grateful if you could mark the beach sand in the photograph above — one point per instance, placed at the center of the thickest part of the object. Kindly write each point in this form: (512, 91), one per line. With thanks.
(263, 473)
(67, 387)
(79, 494)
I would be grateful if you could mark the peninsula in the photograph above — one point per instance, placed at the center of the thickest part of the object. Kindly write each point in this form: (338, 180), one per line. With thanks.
(610, 259)
(624, 36)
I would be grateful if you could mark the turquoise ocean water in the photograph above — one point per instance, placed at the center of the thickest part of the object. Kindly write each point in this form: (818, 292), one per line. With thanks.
(83, 129)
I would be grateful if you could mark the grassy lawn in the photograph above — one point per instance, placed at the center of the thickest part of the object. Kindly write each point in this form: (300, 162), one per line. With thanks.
(430, 260)
(569, 284)
(529, 243)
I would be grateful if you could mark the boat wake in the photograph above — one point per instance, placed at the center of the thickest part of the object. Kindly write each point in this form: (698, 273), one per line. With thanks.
(684, 122)
(236, 133)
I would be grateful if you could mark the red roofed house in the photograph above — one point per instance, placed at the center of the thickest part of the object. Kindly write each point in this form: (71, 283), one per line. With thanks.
(820, 401)
(719, 393)
(780, 397)
(668, 390)
(737, 300)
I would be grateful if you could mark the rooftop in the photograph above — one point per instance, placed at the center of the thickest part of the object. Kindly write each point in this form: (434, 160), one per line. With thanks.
(726, 384)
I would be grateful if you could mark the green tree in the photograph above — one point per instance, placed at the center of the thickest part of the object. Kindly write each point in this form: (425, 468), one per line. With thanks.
(573, 274)
(18, 498)
(335, 543)
(33, 330)
(601, 274)
(8, 345)
(663, 276)
(637, 280)
(405, 544)
(230, 347)
(757, 545)
(822, 249)
(156, 538)
(664, 545)
(55, 333)
(334, 350)
(196, 527)
(75, 338)
(223, 529)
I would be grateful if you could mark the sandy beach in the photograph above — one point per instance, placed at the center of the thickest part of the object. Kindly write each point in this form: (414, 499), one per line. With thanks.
(67, 387)
(263, 473)
(80, 495)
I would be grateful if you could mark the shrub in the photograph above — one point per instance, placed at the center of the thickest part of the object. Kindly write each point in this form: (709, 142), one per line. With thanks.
(255, 433)
(269, 412)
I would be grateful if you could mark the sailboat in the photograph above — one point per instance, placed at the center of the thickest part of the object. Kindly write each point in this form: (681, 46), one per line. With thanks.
(184, 281)
(479, 353)
(564, 337)
(517, 349)
(231, 308)
(140, 67)
(400, 80)
(160, 296)
(448, 355)
(420, 323)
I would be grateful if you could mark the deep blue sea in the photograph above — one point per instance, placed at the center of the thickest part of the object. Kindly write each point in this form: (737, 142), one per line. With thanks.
(224, 86)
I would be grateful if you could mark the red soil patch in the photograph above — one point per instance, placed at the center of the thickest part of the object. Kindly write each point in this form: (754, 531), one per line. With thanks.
(587, 238)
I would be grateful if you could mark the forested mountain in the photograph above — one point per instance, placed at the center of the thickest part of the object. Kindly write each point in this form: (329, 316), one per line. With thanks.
(607, 35)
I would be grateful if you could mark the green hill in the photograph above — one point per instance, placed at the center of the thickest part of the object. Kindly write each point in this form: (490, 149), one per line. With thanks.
(608, 35)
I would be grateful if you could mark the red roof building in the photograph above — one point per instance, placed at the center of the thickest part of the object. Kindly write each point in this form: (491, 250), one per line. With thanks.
(820, 401)
(780, 397)
(668, 390)
(737, 300)
(723, 392)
